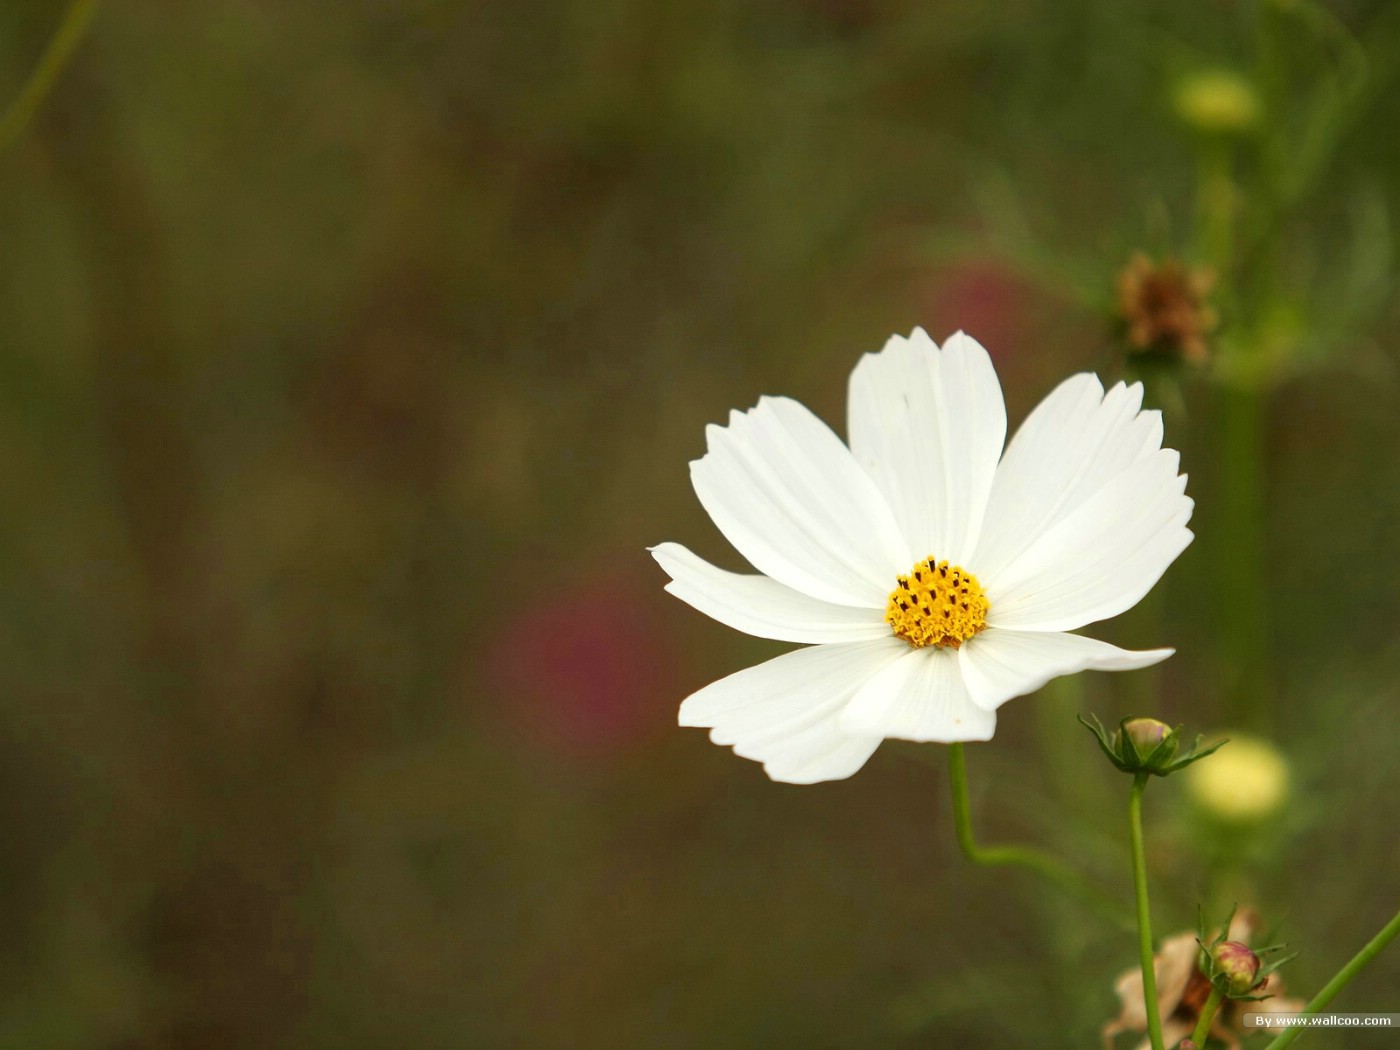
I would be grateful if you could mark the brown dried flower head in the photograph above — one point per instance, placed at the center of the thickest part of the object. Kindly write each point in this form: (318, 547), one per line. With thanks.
(1164, 307)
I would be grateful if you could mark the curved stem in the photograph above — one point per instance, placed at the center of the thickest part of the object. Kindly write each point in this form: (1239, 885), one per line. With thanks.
(1028, 857)
(1373, 948)
(1144, 915)
(1202, 1031)
(46, 73)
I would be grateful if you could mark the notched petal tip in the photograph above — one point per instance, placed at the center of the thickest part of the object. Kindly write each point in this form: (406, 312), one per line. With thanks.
(917, 340)
(1085, 379)
(688, 721)
(959, 731)
(1134, 391)
(779, 775)
(714, 432)
(973, 353)
(961, 341)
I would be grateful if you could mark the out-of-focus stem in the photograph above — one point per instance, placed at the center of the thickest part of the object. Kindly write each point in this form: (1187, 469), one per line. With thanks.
(46, 73)
(1215, 205)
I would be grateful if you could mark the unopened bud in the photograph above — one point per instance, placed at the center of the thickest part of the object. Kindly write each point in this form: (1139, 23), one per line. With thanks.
(1147, 735)
(1238, 965)
(1145, 746)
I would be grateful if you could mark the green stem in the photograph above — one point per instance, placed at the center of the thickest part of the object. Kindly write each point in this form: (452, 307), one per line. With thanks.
(1202, 1031)
(1344, 975)
(1215, 205)
(46, 73)
(1028, 857)
(1144, 914)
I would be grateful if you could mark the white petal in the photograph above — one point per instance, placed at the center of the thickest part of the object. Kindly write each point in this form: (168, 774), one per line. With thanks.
(761, 606)
(928, 426)
(920, 696)
(785, 713)
(791, 499)
(1074, 442)
(1102, 557)
(998, 665)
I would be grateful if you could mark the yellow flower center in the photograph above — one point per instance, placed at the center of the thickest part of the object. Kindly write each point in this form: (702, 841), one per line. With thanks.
(937, 604)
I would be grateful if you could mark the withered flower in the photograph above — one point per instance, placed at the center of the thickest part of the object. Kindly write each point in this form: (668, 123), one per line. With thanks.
(1164, 307)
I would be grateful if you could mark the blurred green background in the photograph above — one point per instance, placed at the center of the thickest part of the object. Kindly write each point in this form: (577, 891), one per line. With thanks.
(350, 356)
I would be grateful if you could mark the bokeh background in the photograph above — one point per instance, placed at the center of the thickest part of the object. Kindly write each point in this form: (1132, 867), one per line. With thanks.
(351, 355)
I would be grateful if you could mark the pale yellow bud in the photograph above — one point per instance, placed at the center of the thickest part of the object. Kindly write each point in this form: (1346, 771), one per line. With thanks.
(1246, 781)
(1217, 101)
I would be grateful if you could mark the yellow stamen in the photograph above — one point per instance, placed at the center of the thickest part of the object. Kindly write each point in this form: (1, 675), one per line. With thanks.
(937, 604)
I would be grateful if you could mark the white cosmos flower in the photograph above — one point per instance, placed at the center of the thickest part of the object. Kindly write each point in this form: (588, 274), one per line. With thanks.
(1073, 524)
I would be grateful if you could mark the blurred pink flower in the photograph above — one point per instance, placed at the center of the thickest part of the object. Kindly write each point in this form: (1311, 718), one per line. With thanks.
(581, 672)
(987, 297)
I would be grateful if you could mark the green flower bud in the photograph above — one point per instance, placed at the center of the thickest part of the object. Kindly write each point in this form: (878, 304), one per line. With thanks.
(1237, 965)
(1148, 733)
(1146, 743)
(1145, 746)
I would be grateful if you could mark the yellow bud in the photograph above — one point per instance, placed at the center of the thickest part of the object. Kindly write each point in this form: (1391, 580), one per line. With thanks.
(1217, 101)
(1246, 781)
